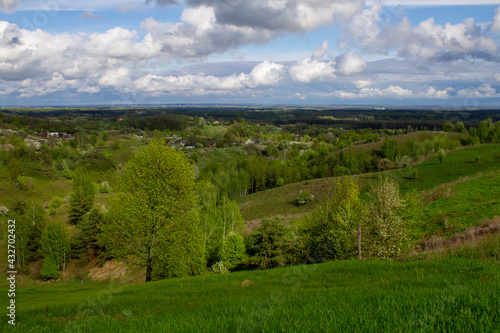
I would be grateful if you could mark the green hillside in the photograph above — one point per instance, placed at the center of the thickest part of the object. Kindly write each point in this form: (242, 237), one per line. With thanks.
(457, 164)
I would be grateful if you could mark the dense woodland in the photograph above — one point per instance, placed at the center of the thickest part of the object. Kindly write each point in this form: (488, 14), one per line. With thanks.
(167, 181)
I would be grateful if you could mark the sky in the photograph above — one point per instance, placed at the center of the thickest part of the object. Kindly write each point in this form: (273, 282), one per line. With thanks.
(279, 52)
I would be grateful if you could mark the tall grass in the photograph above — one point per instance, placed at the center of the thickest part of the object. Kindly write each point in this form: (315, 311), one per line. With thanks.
(451, 294)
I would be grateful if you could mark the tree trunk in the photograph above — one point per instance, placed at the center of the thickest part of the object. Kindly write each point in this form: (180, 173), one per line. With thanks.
(149, 269)
(359, 241)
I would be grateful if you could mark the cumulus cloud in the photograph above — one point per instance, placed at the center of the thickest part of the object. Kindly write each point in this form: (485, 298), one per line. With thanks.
(277, 15)
(496, 21)
(393, 92)
(307, 71)
(427, 40)
(8, 6)
(264, 74)
(484, 91)
(350, 64)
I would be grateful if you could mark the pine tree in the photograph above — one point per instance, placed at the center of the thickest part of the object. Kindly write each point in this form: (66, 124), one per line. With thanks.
(81, 199)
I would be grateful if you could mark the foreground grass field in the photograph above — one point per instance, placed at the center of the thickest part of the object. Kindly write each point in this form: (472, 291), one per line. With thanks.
(441, 295)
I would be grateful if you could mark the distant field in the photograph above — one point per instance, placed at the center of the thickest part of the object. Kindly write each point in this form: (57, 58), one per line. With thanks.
(445, 295)
(456, 164)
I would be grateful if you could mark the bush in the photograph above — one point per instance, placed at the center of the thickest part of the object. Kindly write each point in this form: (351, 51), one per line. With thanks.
(104, 187)
(386, 221)
(304, 197)
(55, 203)
(219, 268)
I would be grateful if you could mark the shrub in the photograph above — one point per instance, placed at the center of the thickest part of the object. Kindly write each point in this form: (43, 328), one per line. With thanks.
(441, 155)
(304, 197)
(386, 221)
(104, 187)
(219, 268)
(55, 203)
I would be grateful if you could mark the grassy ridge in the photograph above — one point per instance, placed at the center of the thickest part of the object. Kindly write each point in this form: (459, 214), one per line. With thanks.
(449, 294)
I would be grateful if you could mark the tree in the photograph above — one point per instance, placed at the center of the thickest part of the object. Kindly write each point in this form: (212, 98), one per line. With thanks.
(460, 127)
(55, 243)
(448, 127)
(50, 269)
(233, 250)
(332, 228)
(84, 242)
(271, 247)
(387, 221)
(159, 195)
(441, 155)
(81, 199)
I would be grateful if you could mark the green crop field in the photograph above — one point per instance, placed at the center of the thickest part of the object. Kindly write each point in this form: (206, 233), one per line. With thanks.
(442, 295)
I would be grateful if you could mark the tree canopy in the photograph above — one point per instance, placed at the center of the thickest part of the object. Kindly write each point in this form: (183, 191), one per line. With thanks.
(159, 192)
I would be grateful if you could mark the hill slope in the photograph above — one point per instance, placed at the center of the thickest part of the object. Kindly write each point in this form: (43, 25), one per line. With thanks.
(459, 163)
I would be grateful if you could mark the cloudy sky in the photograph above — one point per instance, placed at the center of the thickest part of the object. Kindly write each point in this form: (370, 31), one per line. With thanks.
(312, 52)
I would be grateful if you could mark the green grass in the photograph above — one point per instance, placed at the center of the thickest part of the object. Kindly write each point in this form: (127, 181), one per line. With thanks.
(463, 205)
(450, 294)
(456, 164)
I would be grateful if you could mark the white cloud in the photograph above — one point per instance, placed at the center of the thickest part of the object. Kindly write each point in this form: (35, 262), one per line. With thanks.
(428, 40)
(91, 16)
(350, 64)
(307, 71)
(432, 3)
(8, 6)
(320, 51)
(263, 74)
(496, 21)
(484, 91)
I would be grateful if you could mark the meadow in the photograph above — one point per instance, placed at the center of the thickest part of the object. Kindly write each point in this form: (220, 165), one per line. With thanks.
(447, 294)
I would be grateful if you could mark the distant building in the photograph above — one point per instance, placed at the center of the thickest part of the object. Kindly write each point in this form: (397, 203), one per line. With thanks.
(249, 142)
(52, 134)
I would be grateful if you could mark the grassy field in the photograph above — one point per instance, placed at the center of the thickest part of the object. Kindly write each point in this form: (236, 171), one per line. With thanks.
(443, 295)
(457, 206)
(457, 164)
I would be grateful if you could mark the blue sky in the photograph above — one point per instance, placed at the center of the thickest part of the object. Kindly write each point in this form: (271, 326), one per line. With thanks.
(312, 52)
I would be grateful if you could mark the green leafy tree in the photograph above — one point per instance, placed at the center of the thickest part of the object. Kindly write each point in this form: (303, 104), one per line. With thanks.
(55, 243)
(219, 217)
(441, 155)
(150, 219)
(81, 199)
(460, 127)
(387, 221)
(332, 228)
(448, 127)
